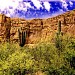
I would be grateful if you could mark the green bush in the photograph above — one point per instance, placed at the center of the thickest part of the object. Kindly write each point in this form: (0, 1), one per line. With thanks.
(45, 57)
(14, 59)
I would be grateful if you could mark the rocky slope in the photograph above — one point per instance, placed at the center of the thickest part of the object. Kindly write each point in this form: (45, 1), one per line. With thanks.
(36, 28)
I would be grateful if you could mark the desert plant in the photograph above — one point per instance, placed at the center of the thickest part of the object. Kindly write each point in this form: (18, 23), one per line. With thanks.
(22, 37)
(64, 21)
(44, 57)
(14, 60)
(59, 36)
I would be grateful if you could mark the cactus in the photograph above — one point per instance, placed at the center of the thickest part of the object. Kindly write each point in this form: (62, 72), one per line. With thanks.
(42, 24)
(59, 27)
(64, 21)
(22, 37)
(59, 37)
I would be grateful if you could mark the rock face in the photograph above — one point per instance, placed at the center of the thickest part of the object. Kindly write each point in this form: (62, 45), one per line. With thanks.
(5, 27)
(35, 28)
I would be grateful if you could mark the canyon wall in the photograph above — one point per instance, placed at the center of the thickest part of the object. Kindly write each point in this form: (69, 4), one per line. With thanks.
(36, 28)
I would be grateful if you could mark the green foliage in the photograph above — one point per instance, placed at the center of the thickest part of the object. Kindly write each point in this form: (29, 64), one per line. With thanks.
(44, 57)
(13, 59)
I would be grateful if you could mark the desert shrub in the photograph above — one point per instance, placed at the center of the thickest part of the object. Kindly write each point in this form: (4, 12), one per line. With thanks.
(44, 57)
(70, 52)
(67, 54)
(61, 71)
(14, 59)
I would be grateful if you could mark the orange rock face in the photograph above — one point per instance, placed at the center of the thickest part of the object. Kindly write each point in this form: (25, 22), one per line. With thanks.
(35, 28)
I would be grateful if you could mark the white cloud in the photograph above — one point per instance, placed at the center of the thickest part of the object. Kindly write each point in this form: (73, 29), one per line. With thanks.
(37, 3)
(9, 6)
(14, 4)
(6, 3)
(47, 6)
(64, 4)
(71, 3)
(27, 4)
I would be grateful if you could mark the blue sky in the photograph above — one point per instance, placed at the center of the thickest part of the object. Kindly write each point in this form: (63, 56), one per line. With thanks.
(29, 9)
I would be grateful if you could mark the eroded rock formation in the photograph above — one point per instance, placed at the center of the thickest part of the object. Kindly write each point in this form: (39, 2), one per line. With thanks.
(35, 28)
